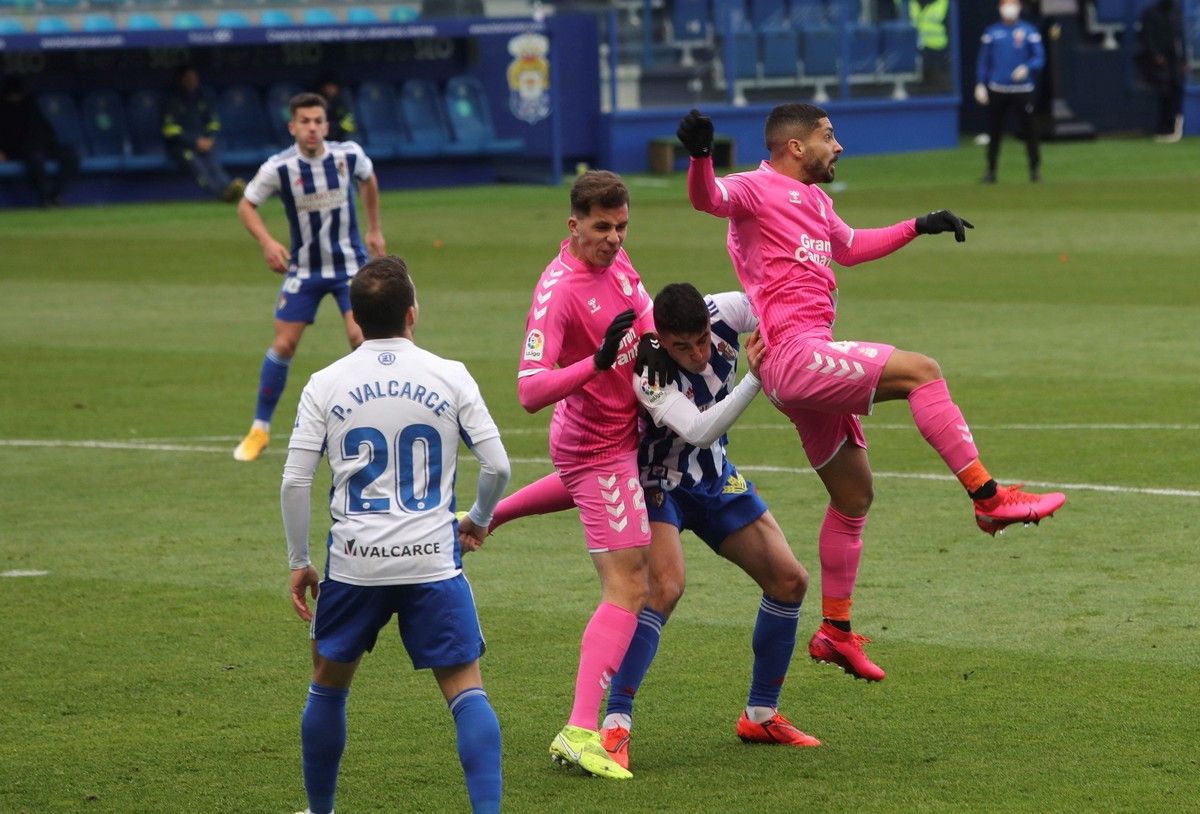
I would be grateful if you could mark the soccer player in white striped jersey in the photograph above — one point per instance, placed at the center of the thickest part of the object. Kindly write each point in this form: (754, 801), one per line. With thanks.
(389, 417)
(315, 179)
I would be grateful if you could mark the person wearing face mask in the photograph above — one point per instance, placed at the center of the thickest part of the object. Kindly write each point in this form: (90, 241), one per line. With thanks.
(1010, 57)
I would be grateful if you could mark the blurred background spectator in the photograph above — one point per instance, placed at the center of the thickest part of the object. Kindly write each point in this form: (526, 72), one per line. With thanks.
(26, 136)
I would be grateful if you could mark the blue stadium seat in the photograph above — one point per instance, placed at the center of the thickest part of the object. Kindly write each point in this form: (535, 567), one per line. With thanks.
(320, 16)
(766, 15)
(111, 5)
(278, 112)
(245, 134)
(360, 15)
(10, 26)
(819, 49)
(232, 19)
(105, 132)
(898, 47)
(188, 19)
(471, 120)
(51, 25)
(780, 54)
(59, 109)
(378, 114)
(61, 5)
(729, 15)
(403, 14)
(745, 55)
(808, 13)
(427, 133)
(144, 119)
(99, 22)
(864, 50)
(140, 21)
(689, 20)
(275, 18)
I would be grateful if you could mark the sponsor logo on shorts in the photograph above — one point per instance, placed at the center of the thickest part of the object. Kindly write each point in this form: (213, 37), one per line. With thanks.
(736, 485)
(535, 344)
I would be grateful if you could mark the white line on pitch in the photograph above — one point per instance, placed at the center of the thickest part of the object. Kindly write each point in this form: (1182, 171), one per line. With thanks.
(23, 573)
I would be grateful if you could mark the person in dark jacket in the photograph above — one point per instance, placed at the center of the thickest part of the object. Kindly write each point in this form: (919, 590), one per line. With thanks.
(342, 126)
(190, 129)
(27, 136)
(1162, 61)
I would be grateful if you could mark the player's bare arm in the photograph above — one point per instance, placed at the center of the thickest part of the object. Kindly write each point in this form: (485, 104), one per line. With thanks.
(369, 189)
(275, 253)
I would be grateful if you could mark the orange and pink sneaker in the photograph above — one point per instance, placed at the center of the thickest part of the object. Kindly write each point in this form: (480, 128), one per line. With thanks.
(843, 648)
(776, 730)
(1012, 505)
(615, 740)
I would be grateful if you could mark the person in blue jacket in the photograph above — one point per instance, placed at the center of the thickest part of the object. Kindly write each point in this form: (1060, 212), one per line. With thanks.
(1010, 57)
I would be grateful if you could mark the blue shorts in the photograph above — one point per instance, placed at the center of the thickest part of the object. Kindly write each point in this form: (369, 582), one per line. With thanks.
(711, 517)
(438, 623)
(298, 299)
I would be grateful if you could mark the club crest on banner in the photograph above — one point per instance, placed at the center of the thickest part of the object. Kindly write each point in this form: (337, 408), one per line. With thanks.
(529, 77)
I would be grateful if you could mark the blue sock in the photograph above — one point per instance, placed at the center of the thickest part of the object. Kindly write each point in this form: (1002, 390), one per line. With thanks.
(774, 640)
(322, 738)
(271, 381)
(636, 662)
(478, 748)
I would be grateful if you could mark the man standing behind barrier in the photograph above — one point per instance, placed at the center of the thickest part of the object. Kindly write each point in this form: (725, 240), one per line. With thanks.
(315, 179)
(784, 238)
(1010, 57)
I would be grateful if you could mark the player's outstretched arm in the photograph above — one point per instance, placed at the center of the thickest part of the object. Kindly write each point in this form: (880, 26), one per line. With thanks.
(369, 189)
(943, 220)
(275, 253)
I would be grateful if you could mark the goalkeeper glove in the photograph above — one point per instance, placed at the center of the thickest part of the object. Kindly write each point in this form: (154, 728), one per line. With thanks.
(696, 134)
(606, 355)
(653, 358)
(943, 220)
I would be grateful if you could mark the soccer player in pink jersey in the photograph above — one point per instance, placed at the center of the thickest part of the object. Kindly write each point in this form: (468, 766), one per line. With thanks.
(784, 237)
(579, 355)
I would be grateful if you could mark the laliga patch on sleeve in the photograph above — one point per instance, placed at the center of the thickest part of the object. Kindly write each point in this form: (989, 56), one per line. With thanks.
(652, 392)
(535, 343)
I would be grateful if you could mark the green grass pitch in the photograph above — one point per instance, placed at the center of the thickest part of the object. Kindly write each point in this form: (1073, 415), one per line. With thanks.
(156, 665)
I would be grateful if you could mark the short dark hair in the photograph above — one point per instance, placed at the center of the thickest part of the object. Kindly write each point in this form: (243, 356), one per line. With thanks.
(301, 100)
(680, 309)
(788, 119)
(380, 295)
(598, 188)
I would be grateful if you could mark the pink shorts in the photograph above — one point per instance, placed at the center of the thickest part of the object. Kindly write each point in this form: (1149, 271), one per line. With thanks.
(611, 503)
(823, 386)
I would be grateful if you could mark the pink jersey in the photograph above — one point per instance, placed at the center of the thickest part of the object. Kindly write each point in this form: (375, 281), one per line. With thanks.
(783, 239)
(595, 413)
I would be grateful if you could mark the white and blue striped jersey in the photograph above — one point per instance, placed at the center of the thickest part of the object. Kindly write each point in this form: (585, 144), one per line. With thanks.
(318, 197)
(666, 459)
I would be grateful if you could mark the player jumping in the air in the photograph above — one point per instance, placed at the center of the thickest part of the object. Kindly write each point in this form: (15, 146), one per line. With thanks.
(315, 179)
(784, 237)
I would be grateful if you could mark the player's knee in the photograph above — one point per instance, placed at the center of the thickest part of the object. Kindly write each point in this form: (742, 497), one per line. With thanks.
(926, 370)
(284, 347)
(665, 593)
(789, 585)
(856, 503)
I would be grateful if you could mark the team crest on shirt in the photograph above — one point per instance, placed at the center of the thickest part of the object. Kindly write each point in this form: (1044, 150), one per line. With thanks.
(341, 168)
(387, 358)
(535, 343)
(1018, 37)
(626, 288)
(727, 350)
(736, 485)
(593, 305)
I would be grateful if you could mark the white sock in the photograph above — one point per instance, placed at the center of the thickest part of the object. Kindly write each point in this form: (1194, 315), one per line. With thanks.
(760, 715)
(617, 719)
(265, 426)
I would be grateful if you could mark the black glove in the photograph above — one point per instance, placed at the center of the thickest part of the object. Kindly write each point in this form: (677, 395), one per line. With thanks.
(696, 133)
(653, 358)
(943, 220)
(607, 354)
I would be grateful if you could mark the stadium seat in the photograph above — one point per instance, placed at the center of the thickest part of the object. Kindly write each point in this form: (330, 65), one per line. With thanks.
(780, 54)
(144, 119)
(745, 55)
(232, 19)
(808, 13)
(61, 5)
(59, 109)
(471, 120)
(188, 19)
(278, 112)
(768, 15)
(111, 5)
(689, 20)
(140, 21)
(403, 14)
(819, 49)
(245, 134)
(320, 16)
(729, 15)
(275, 18)
(105, 133)
(360, 15)
(99, 22)
(51, 25)
(10, 26)
(426, 129)
(378, 110)
(898, 47)
(864, 50)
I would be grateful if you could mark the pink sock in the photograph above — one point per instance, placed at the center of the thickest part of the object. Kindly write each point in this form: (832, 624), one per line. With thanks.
(942, 424)
(605, 640)
(540, 497)
(840, 546)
